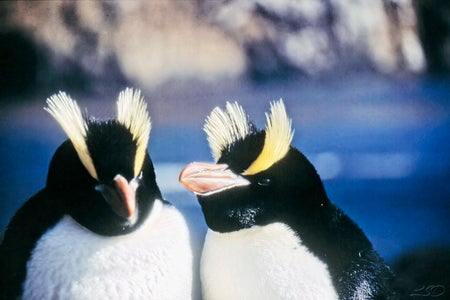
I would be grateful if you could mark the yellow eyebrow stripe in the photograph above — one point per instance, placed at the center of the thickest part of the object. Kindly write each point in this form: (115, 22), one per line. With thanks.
(133, 114)
(67, 113)
(277, 141)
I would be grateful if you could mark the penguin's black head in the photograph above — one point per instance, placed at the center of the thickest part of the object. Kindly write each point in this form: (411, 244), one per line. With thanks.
(257, 178)
(102, 175)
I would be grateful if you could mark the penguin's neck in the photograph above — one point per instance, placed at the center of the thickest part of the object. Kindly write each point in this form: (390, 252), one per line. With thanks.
(327, 230)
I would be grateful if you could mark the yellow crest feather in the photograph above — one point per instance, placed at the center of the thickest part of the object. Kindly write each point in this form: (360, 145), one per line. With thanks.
(225, 127)
(67, 113)
(277, 140)
(132, 113)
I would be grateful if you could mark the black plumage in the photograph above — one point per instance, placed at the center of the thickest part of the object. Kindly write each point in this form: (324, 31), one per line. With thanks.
(291, 192)
(73, 191)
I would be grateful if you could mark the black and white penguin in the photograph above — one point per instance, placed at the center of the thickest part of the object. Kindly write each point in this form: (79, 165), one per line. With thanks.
(100, 228)
(272, 231)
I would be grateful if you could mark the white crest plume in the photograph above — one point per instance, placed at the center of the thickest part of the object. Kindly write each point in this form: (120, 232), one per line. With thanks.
(132, 113)
(67, 113)
(277, 141)
(225, 127)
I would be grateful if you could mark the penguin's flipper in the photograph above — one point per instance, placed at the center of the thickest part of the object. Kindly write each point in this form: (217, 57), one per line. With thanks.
(367, 278)
(35, 217)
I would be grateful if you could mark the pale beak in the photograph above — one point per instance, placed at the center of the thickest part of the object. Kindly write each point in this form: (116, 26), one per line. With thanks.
(121, 197)
(206, 179)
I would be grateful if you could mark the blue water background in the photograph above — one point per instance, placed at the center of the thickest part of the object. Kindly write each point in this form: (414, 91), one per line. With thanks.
(381, 145)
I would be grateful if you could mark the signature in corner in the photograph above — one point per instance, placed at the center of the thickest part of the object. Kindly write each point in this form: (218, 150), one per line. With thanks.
(433, 290)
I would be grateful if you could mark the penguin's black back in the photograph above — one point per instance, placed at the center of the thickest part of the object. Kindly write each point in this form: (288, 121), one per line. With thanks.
(29, 223)
(284, 187)
(355, 267)
(332, 235)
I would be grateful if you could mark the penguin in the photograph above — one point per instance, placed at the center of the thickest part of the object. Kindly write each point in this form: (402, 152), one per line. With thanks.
(272, 231)
(100, 228)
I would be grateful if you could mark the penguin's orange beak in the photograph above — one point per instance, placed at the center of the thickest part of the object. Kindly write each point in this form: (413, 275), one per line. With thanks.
(206, 179)
(127, 193)
(121, 197)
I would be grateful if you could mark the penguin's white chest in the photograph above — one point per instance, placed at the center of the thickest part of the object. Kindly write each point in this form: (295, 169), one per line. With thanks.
(154, 262)
(266, 262)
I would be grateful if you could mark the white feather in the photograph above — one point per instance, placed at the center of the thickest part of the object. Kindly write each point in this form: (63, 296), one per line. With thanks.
(67, 113)
(132, 113)
(154, 262)
(266, 262)
(223, 128)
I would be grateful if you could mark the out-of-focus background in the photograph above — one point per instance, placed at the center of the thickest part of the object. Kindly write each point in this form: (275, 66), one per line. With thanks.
(365, 82)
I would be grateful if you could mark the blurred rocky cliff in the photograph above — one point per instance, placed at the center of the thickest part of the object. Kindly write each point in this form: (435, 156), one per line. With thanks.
(150, 42)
